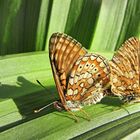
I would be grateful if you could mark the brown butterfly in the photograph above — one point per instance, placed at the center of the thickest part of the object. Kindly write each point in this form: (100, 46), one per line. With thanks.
(81, 78)
(125, 71)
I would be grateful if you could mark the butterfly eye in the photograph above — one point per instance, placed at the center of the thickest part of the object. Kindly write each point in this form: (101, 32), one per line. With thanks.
(99, 75)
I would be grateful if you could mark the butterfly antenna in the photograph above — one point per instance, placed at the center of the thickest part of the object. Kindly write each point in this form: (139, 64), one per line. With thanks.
(38, 110)
(42, 85)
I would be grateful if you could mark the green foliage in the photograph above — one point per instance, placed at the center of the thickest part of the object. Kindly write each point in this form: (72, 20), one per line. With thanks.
(100, 25)
(21, 95)
(26, 26)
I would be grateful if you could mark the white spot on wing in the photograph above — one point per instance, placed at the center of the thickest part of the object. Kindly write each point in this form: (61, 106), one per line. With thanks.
(85, 75)
(83, 92)
(90, 81)
(75, 92)
(131, 75)
(82, 85)
(135, 86)
(71, 81)
(102, 64)
(70, 92)
(89, 75)
(122, 88)
(85, 58)
(114, 80)
(99, 59)
(76, 79)
(92, 57)
(81, 76)
(78, 62)
(72, 73)
(126, 75)
(98, 85)
(105, 70)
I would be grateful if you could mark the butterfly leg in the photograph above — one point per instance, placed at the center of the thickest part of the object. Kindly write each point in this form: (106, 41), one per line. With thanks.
(71, 113)
(87, 115)
(74, 116)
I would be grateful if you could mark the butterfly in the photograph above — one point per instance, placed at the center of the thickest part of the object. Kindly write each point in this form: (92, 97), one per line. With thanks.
(81, 78)
(125, 71)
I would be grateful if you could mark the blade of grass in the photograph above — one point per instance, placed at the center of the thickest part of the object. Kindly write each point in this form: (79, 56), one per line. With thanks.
(109, 25)
(44, 16)
(30, 96)
(8, 112)
(131, 23)
(133, 136)
(81, 20)
(106, 131)
(58, 18)
(7, 20)
(55, 125)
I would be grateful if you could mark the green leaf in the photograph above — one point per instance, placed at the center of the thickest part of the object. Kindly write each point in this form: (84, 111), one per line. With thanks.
(114, 129)
(101, 26)
(43, 21)
(81, 21)
(18, 22)
(109, 25)
(133, 136)
(20, 91)
(58, 19)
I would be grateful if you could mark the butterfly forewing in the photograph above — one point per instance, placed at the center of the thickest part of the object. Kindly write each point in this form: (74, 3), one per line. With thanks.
(125, 70)
(63, 51)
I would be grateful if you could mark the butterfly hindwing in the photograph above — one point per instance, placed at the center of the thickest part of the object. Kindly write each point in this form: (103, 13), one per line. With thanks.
(87, 79)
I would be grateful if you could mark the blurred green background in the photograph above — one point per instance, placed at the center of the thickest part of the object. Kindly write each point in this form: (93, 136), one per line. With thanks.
(101, 25)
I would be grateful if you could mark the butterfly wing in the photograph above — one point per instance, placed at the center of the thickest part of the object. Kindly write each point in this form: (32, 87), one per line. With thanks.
(63, 53)
(88, 79)
(125, 70)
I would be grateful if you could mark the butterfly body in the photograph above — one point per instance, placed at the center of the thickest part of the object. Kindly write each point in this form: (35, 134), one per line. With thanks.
(80, 77)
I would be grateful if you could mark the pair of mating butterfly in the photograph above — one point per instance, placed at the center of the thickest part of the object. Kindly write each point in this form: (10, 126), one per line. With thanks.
(83, 78)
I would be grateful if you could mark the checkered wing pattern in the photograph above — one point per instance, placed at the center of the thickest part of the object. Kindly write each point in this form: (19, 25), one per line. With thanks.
(80, 77)
(88, 79)
(125, 71)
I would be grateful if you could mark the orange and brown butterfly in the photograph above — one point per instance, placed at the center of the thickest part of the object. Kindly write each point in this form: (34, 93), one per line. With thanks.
(125, 71)
(81, 78)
